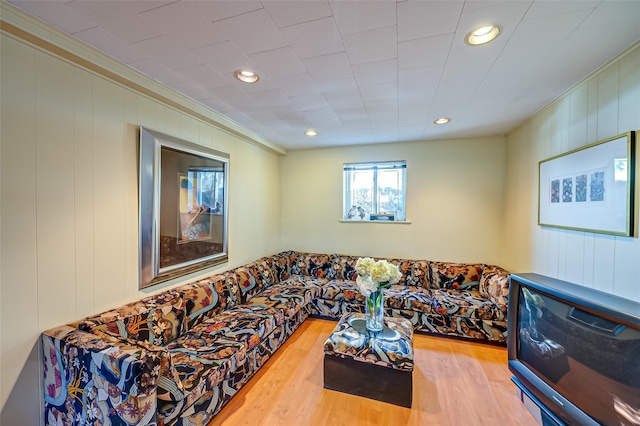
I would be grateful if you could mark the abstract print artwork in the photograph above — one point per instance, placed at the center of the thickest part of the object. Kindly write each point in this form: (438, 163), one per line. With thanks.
(567, 190)
(581, 188)
(555, 191)
(590, 188)
(596, 190)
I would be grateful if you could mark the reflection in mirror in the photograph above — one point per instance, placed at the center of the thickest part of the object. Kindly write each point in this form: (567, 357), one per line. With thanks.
(183, 205)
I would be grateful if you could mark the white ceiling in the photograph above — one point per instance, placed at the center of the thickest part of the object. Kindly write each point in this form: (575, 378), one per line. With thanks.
(357, 71)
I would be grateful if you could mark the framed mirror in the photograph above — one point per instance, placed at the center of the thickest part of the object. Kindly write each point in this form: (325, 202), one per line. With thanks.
(183, 204)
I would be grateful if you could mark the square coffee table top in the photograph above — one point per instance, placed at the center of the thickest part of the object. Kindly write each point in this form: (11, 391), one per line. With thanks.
(392, 348)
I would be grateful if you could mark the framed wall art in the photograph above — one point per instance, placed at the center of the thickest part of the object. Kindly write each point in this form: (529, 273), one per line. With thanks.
(590, 188)
(183, 207)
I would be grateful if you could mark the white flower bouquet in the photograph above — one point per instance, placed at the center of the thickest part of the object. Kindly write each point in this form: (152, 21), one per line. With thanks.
(374, 276)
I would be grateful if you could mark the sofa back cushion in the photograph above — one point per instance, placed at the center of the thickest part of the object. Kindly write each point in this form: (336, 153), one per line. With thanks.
(248, 284)
(281, 265)
(455, 276)
(343, 267)
(494, 285)
(157, 320)
(415, 273)
(207, 297)
(313, 265)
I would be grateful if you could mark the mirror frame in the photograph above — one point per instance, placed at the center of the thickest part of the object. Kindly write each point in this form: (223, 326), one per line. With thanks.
(150, 193)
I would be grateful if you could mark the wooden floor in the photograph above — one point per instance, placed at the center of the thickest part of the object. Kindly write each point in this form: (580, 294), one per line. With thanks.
(454, 383)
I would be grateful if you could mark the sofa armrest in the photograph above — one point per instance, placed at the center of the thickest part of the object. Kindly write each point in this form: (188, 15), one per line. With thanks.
(97, 379)
(494, 285)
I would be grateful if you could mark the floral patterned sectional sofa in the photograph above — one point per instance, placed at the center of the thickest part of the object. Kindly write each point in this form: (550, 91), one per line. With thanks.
(176, 358)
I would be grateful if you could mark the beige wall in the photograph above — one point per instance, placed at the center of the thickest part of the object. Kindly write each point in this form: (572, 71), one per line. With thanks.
(69, 204)
(454, 201)
(604, 105)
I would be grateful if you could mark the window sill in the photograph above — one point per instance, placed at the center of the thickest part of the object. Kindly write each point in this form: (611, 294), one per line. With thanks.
(399, 222)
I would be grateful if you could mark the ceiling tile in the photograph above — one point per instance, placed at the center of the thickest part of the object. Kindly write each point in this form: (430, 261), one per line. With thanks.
(171, 20)
(419, 19)
(614, 12)
(263, 36)
(230, 94)
(224, 57)
(424, 52)
(474, 59)
(529, 47)
(372, 45)
(314, 38)
(286, 13)
(222, 9)
(354, 16)
(278, 62)
(296, 85)
(57, 14)
(543, 8)
(111, 45)
(329, 67)
(116, 18)
(167, 52)
(145, 5)
(376, 72)
(323, 118)
(204, 76)
(270, 98)
(339, 88)
(378, 92)
(308, 102)
(351, 103)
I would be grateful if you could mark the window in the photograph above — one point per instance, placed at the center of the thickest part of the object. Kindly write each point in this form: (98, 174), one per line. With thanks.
(375, 189)
(210, 184)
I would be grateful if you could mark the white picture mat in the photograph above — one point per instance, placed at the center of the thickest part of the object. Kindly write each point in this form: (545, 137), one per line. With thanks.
(610, 211)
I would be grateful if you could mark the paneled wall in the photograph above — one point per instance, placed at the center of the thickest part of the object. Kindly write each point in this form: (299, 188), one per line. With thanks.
(604, 105)
(69, 204)
(454, 201)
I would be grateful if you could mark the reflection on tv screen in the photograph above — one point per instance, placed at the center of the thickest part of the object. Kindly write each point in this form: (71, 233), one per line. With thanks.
(592, 362)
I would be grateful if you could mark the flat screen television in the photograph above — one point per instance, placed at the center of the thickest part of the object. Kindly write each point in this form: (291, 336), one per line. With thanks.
(574, 352)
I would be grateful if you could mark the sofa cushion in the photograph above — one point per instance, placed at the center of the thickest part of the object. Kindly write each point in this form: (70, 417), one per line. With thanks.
(157, 320)
(410, 298)
(254, 277)
(281, 265)
(494, 285)
(208, 297)
(346, 290)
(343, 267)
(312, 264)
(416, 273)
(241, 325)
(455, 276)
(202, 362)
(456, 303)
(313, 284)
(286, 298)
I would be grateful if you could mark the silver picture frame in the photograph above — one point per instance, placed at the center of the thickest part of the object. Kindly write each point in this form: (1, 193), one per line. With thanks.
(183, 207)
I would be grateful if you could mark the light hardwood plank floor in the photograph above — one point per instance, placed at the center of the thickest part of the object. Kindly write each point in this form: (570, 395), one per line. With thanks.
(454, 383)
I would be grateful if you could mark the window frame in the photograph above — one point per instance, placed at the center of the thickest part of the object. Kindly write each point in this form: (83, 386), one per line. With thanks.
(376, 167)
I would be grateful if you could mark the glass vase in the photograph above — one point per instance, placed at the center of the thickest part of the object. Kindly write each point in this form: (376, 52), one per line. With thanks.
(374, 312)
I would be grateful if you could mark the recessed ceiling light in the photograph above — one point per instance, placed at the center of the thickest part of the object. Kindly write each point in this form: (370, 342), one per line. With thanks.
(311, 133)
(442, 120)
(246, 76)
(482, 35)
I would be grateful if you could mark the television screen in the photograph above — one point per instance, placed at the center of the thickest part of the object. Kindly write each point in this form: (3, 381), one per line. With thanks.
(590, 359)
